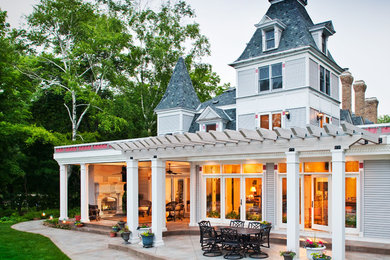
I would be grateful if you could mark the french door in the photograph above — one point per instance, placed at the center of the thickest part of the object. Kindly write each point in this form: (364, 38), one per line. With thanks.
(320, 202)
(252, 198)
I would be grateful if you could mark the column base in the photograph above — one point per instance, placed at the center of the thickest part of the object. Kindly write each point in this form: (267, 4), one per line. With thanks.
(164, 229)
(85, 220)
(134, 240)
(193, 224)
(63, 218)
(158, 243)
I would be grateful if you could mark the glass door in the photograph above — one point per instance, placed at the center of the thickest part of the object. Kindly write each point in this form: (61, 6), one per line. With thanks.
(320, 202)
(213, 197)
(232, 198)
(253, 199)
(283, 200)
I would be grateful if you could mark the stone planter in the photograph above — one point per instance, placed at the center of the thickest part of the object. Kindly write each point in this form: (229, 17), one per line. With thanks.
(126, 236)
(288, 257)
(147, 241)
(311, 250)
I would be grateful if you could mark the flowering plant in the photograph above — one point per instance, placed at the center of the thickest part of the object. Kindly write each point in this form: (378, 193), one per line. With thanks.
(313, 243)
(143, 226)
(78, 223)
(124, 230)
(266, 223)
(147, 234)
(321, 256)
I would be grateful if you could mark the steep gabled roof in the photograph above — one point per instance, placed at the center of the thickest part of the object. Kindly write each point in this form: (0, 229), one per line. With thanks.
(180, 92)
(296, 34)
(226, 98)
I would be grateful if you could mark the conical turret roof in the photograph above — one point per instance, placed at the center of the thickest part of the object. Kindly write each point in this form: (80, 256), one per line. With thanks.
(180, 92)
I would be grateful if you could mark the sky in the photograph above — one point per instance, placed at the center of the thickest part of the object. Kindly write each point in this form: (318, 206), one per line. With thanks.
(361, 42)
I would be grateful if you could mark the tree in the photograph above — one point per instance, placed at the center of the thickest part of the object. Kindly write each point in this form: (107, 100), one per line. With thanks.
(159, 39)
(384, 119)
(80, 42)
(18, 135)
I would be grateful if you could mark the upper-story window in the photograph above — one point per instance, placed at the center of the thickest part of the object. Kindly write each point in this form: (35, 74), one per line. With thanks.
(270, 39)
(270, 77)
(324, 80)
(270, 121)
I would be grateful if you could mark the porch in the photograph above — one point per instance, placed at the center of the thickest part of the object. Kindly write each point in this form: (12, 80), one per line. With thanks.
(266, 147)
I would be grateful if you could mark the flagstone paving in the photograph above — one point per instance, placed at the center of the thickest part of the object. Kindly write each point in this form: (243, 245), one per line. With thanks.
(83, 245)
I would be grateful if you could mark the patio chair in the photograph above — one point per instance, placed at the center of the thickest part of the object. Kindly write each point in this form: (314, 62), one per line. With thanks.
(93, 212)
(203, 223)
(266, 233)
(231, 241)
(211, 240)
(237, 223)
(145, 207)
(254, 244)
(255, 225)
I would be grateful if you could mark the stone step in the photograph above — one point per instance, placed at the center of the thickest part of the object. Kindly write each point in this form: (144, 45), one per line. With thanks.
(101, 227)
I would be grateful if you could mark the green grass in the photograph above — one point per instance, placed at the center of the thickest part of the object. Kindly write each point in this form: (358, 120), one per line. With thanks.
(22, 245)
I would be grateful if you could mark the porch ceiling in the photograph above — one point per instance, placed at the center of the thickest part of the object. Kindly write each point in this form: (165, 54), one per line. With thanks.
(261, 140)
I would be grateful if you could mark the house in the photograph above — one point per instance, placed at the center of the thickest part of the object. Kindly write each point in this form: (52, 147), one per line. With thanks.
(282, 139)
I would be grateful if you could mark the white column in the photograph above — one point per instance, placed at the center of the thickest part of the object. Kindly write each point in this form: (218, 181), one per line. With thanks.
(338, 204)
(132, 198)
(293, 202)
(84, 193)
(193, 176)
(91, 185)
(158, 200)
(63, 192)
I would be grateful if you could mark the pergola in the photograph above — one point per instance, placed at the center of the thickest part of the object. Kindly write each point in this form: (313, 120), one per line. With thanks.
(288, 143)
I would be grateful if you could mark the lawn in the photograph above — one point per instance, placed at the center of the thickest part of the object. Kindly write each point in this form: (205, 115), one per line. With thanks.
(22, 245)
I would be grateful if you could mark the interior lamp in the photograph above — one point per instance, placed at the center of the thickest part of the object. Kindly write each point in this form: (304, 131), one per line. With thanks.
(253, 189)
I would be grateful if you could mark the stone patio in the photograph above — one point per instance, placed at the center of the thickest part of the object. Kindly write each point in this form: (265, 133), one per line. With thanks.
(83, 245)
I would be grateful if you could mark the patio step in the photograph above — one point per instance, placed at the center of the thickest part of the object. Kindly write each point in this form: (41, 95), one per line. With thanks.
(95, 226)
(350, 245)
(137, 253)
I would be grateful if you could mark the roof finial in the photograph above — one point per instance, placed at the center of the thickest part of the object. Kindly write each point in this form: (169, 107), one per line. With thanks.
(302, 2)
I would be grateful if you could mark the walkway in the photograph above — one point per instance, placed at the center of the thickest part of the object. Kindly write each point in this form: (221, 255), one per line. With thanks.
(83, 245)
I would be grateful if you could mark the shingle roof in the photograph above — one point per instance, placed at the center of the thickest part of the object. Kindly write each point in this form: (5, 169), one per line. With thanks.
(297, 34)
(226, 98)
(180, 92)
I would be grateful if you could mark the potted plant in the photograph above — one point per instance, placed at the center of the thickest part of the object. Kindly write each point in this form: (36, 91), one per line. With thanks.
(265, 223)
(125, 234)
(78, 224)
(320, 256)
(143, 228)
(313, 247)
(112, 233)
(147, 239)
(288, 255)
(77, 218)
(115, 228)
(121, 224)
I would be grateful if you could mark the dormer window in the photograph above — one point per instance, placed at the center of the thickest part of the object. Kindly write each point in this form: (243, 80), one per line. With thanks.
(271, 30)
(324, 41)
(270, 39)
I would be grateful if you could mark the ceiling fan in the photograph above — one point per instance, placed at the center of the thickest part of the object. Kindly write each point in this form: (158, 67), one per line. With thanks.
(170, 172)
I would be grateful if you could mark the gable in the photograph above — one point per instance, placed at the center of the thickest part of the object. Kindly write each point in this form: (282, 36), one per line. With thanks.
(208, 114)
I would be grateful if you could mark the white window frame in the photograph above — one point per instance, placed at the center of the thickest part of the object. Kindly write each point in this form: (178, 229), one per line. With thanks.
(270, 78)
(258, 121)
